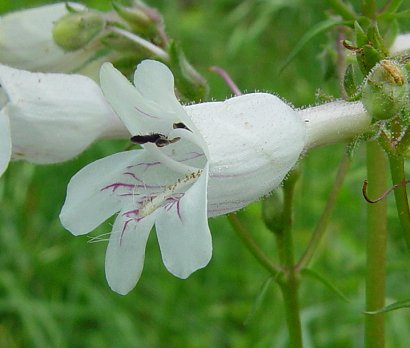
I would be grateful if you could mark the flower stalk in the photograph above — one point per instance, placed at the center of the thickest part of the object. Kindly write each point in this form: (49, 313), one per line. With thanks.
(376, 246)
(155, 50)
(289, 282)
(400, 194)
(252, 246)
(227, 79)
(320, 229)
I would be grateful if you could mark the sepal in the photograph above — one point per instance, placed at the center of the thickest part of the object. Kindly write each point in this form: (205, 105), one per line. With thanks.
(189, 82)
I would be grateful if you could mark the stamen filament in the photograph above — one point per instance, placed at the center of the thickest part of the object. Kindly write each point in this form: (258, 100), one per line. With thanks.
(151, 205)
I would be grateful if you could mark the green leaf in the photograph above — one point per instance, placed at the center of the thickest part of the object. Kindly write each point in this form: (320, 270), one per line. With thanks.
(377, 39)
(367, 58)
(317, 276)
(259, 299)
(403, 14)
(348, 81)
(396, 15)
(391, 307)
(361, 36)
(310, 34)
(393, 6)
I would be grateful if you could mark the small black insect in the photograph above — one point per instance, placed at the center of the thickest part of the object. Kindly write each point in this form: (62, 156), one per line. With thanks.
(156, 138)
(179, 125)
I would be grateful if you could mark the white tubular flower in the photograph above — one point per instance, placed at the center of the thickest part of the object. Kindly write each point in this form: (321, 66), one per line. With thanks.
(197, 161)
(50, 118)
(401, 44)
(26, 41)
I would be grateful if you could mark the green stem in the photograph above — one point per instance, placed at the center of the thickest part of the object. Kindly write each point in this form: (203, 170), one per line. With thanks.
(290, 298)
(252, 246)
(376, 246)
(400, 194)
(404, 143)
(156, 50)
(289, 284)
(325, 217)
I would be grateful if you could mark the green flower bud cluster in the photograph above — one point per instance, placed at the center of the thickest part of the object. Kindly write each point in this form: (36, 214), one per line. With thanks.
(126, 36)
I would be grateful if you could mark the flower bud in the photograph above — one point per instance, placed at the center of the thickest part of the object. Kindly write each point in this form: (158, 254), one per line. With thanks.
(26, 41)
(272, 211)
(76, 30)
(141, 18)
(386, 90)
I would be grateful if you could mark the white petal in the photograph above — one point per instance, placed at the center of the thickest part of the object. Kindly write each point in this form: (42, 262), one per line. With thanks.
(5, 142)
(139, 115)
(155, 83)
(53, 117)
(182, 156)
(141, 109)
(124, 259)
(87, 203)
(183, 232)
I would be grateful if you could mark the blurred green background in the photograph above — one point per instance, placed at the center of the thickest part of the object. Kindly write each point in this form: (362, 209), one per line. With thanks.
(53, 291)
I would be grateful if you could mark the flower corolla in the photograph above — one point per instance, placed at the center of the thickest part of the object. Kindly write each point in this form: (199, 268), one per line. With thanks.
(196, 162)
(400, 44)
(50, 118)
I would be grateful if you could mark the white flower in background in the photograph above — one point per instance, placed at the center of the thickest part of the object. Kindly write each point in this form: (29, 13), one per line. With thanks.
(197, 161)
(50, 118)
(26, 41)
(401, 44)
